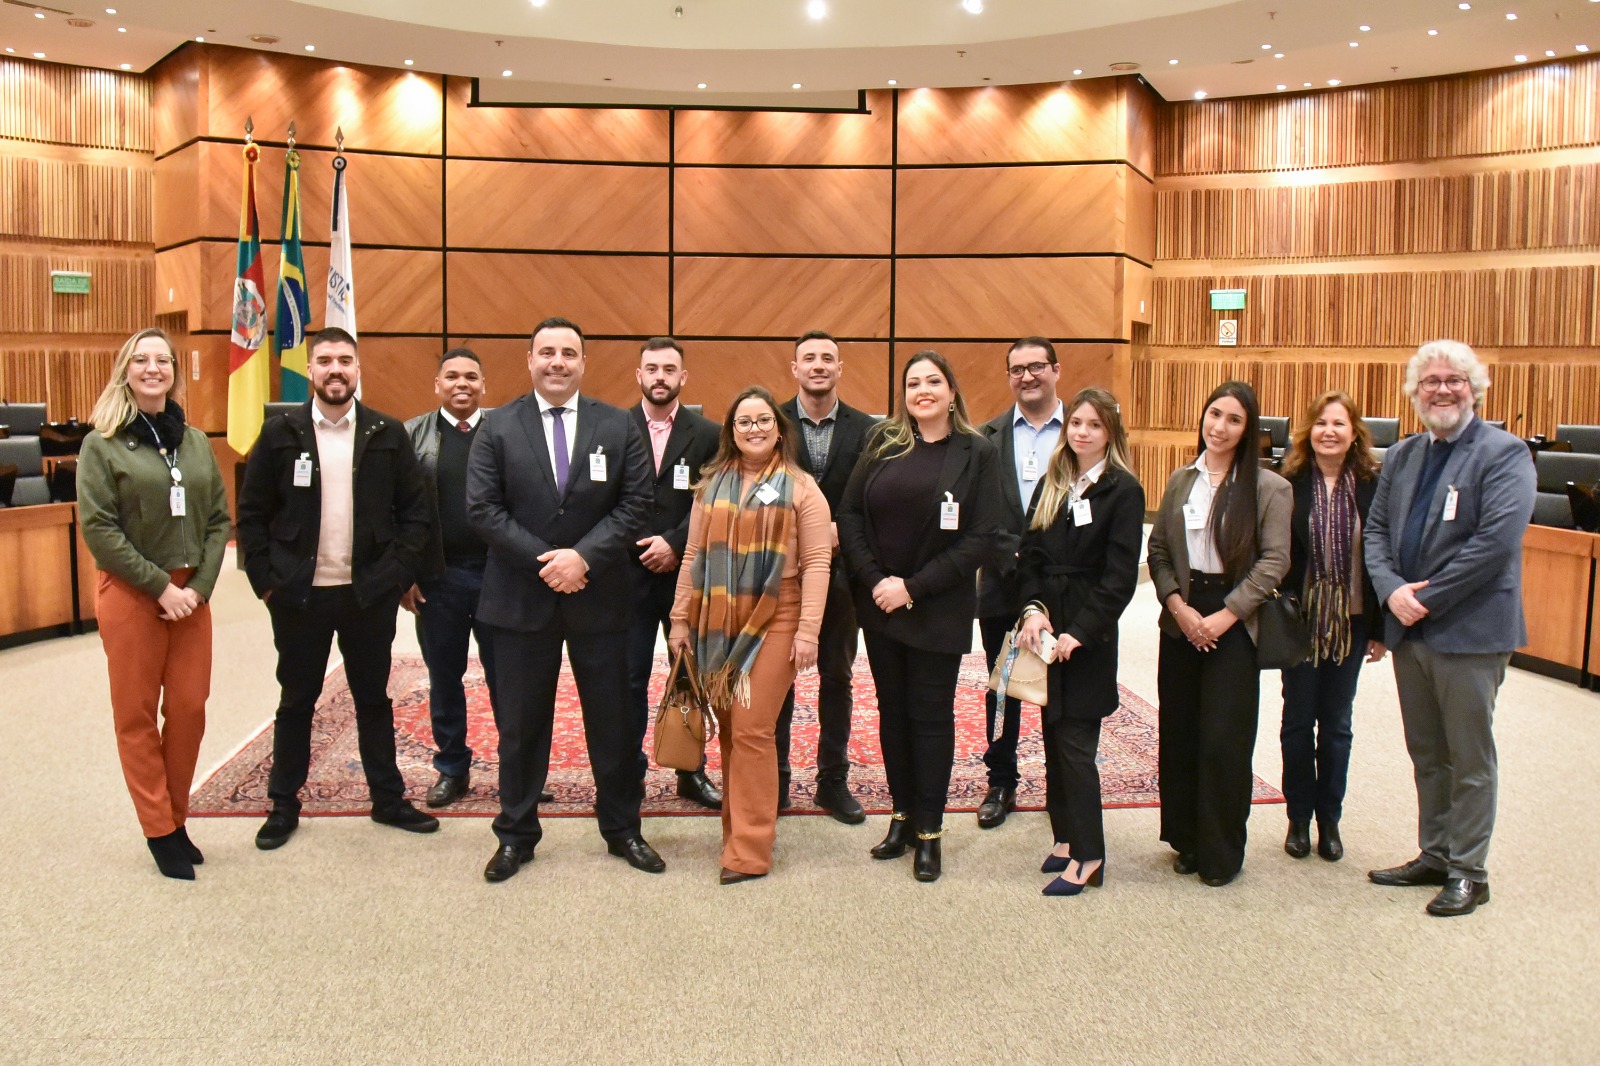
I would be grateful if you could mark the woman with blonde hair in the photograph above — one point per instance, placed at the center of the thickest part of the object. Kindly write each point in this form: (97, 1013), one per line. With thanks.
(1077, 570)
(155, 517)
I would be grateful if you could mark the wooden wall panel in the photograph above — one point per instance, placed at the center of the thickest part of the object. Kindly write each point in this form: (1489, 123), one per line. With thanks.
(601, 134)
(1011, 210)
(177, 85)
(397, 374)
(398, 290)
(786, 139)
(1008, 297)
(1139, 211)
(795, 212)
(1551, 105)
(180, 208)
(67, 381)
(1143, 113)
(1015, 124)
(178, 282)
(74, 105)
(557, 206)
(497, 292)
(1154, 462)
(62, 200)
(1506, 210)
(119, 299)
(781, 297)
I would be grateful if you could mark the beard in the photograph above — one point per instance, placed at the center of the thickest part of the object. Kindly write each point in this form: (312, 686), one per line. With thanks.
(324, 388)
(662, 401)
(1440, 419)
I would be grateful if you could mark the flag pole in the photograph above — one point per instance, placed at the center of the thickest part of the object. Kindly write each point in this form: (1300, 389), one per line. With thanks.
(249, 383)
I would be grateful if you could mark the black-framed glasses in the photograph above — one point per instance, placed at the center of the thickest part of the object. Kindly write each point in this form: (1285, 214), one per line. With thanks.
(745, 425)
(1454, 384)
(1028, 368)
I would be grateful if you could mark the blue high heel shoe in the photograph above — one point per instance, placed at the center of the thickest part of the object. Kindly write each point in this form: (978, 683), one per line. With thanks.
(1062, 887)
(1054, 864)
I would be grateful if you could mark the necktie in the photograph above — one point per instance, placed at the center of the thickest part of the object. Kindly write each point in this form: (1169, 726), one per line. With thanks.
(464, 426)
(1417, 518)
(558, 433)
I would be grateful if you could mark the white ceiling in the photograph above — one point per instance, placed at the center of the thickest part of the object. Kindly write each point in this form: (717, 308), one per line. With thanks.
(750, 52)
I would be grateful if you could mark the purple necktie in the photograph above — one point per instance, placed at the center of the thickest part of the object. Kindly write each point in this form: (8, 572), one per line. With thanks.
(558, 433)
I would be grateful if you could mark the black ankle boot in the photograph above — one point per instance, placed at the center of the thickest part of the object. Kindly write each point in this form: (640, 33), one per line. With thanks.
(926, 865)
(194, 854)
(1329, 846)
(1298, 843)
(783, 790)
(170, 857)
(898, 838)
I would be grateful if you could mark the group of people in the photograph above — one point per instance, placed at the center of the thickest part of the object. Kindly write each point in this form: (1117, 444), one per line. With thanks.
(765, 545)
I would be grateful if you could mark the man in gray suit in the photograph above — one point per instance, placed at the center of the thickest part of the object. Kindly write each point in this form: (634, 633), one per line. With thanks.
(1443, 544)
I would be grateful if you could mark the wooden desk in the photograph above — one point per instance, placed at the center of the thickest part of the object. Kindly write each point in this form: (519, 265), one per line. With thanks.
(36, 567)
(1557, 597)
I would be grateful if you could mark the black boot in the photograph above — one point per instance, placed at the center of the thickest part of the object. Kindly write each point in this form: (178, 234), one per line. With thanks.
(189, 849)
(899, 838)
(834, 797)
(170, 857)
(926, 865)
(1329, 846)
(783, 791)
(1298, 843)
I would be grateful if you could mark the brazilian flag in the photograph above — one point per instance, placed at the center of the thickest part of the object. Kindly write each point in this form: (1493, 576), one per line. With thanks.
(294, 309)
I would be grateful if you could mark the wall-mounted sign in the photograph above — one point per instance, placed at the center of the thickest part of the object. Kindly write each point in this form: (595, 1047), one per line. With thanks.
(72, 281)
(1227, 299)
(1228, 332)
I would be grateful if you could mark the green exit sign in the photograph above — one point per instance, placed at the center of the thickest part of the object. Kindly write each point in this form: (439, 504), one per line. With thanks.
(1227, 299)
(71, 281)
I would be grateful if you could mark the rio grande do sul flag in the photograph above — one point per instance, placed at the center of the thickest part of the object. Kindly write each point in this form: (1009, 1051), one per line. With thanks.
(249, 380)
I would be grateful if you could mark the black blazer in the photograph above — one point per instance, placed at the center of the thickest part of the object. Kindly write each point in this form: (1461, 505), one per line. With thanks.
(280, 523)
(1300, 547)
(512, 503)
(1085, 577)
(943, 585)
(850, 429)
(694, 440)
(999, 595)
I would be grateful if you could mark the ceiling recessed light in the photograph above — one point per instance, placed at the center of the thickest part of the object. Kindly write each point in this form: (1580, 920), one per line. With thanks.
(38, 55)
(1510, 17)
(38, 14)
(1266, 48)
(536, 3)
(122, 29)
(1282, 87)
(1520, 58)
(1333, 81)
(410, 62)
(1305, 85)
(701, 85)
(1433, 33)
(1549, 53)
(1465, 7)
(1200, 94)
(126, 66)
(202, 40)
(1277, 55)
(505, 74)
(13, 51)
(1365, 29)
(893, 82)
(974, 7)
(111, 11)
(1581, 48)
(1077, 70)
(817, 9)
(311, 48)
(796, 85)
(1355, 44)
(1172, 62)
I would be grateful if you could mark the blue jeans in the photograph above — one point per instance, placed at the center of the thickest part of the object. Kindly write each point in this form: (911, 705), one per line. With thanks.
(445, 620)
(1317, 707)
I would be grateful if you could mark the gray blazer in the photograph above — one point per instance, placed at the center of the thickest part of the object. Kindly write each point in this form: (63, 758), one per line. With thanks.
(1473, 564)
(1168, 552)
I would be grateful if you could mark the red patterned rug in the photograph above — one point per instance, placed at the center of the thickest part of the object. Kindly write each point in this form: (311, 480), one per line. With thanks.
(336, 785)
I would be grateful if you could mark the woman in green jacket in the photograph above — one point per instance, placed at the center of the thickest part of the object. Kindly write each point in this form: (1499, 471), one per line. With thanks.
(155, 517)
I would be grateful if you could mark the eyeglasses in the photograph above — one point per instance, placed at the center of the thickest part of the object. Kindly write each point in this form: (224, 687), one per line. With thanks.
(745, 425)
(146, 360)
(1455, 384)
(1035, 369)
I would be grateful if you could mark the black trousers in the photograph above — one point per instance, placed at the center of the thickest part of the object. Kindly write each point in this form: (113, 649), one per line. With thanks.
(916, 725)
(304, 636)
(836, 656)
(1318, 707)
(527, 666)
(1209, 707)
(652, 613)
(1001, 755)
(1072, 785)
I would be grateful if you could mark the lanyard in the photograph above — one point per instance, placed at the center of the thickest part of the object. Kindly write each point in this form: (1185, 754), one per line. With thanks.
(170, 460)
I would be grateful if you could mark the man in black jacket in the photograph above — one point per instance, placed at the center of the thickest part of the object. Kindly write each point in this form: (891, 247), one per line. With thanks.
(333, 524)
(831, 436)
(681, 443)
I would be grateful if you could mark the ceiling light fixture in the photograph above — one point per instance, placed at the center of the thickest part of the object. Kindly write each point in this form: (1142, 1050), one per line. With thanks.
(38, 14)
(536, 3)
(1266, 48)
(1465, 7)
(1200, 94)
(38, 55)
(973, 7)
(202, 40)
(126, 66)
(1520, 58)
(1433, 33)
(817, 9)
(1365, 29)
(311, 48)
(1305, 85)
(111, 11)
(1277, 55)
(893, 82)
(505, 74)
(796, 85)
(13, 51)
(1581, 48)
(1355, 44)
(122, 29)
(1077, 70)
(1172, 62)
(1510, 17)
(1549, 53)
(410, 62)
(1282, 87)
(1333, 81)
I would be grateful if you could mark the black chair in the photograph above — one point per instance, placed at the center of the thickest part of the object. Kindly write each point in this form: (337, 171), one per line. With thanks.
(1385, 432)
(1582, 438)
(1560, 474)
(23, 419)
(30, 486)
(8, 483)
(1555, 510)
(63, 481)
(58, 439)
(1278, 428)
(279, 407)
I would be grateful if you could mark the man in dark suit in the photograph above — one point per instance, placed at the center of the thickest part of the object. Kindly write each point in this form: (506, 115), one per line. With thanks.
(558, 486)
(333, 525)
(831, 435)
(1026, 433)
(681, 442)
(1443, 544)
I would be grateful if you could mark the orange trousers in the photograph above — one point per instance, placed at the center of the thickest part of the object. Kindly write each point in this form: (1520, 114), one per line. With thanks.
(156, 666)
(749, 752)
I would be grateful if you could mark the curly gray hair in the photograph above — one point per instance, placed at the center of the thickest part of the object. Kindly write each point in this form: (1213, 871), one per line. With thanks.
(1460, 356)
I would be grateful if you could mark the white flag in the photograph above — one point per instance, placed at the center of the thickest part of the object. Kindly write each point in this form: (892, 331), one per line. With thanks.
(341, 307)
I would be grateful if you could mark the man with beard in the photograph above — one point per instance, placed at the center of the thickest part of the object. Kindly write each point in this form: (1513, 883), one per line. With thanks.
(333, 525)
(681, 442)
(558, 485)
(1443, 544)
(831, 435)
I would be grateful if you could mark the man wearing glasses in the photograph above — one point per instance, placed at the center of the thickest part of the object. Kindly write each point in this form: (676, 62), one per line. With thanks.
(1443, 544)
(1026, 433)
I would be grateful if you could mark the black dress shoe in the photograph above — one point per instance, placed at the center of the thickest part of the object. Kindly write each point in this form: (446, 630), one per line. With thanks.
(697, 788)
(783, 790)
(1329, 846)
(1186, 864)
(1298, 842)
(404, 816)
(733, 877)
(1407, 875)
(277, 829)
(640, 855)
(547, 797)
(1458, 896)
(1219, 881)
(895, 842)
(834, 797)
(446, 790)
(925, 865)
(507, 860)
(170, 857)
(194, 853)
(997, 803)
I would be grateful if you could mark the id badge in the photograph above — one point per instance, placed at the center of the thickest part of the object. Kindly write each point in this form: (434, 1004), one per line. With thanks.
(766, 494)
(597, 466)
(1030, 468)
(175, 499)
(1193, 517)
(680, 476)
(1080, 513)
(1451, 498)
(302, 472)
(949, 513)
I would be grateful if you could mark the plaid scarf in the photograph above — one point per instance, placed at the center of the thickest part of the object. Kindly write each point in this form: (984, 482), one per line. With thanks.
(738, 572)
(1333, 527)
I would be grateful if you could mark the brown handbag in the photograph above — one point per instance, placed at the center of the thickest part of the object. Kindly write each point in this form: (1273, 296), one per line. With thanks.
(684, 722)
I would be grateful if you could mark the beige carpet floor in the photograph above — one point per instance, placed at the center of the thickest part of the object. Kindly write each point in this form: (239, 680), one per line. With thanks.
(360, 944)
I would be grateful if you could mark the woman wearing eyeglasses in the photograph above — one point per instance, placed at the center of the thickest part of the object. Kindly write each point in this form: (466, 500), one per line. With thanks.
(751, 590)
(922, 513)
(155, 517)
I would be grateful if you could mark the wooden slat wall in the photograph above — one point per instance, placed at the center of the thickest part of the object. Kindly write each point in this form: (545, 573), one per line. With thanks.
(59, 200)
(68, 381)
(76, 106)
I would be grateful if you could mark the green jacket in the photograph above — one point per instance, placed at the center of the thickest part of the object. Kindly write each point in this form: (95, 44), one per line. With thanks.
(125, 511)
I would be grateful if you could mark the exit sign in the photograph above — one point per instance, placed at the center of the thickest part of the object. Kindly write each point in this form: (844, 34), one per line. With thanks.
(1227, 299)
(71, 281)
